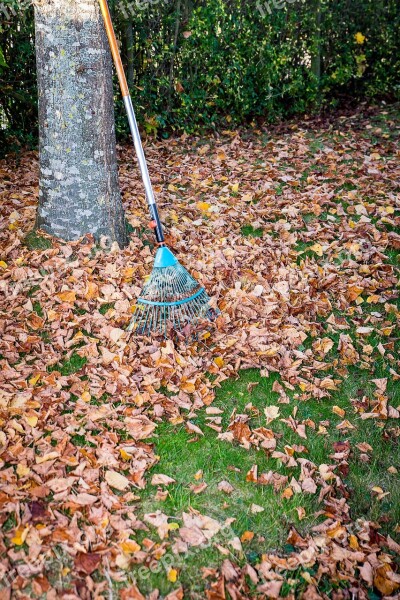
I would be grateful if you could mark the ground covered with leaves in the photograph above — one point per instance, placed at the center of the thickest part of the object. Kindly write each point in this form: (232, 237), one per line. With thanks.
(259, 460)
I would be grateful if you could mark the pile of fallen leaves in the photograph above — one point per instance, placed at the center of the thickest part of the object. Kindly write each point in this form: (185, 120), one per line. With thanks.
(321, 219)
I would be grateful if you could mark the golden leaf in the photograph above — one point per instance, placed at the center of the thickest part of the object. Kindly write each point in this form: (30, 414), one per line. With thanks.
(67, 296)
(219, 361)
(22, 470)
(20, 536)
(172, 575)
(203, 206)
(359, 37)
(33, 380)
(130, 547)
(338, 411)
(317, 248)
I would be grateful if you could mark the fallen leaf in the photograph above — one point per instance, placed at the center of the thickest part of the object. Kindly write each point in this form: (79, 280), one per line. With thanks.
(117, 481)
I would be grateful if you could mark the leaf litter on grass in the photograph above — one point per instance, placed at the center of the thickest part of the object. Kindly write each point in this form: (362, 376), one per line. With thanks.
(310, 300)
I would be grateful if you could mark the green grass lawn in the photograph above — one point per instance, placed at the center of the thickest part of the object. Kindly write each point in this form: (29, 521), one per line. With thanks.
(192, 460)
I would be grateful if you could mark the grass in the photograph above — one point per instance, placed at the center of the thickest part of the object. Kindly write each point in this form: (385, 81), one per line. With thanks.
(104, 308)
(34, 241)
(249, 231)
(70, 365)
(183, 455)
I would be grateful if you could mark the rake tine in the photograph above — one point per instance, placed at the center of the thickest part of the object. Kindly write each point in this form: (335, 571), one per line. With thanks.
(170, 295)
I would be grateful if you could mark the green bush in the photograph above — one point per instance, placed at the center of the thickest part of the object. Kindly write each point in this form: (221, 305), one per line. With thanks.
(212, 63)
(18, 97)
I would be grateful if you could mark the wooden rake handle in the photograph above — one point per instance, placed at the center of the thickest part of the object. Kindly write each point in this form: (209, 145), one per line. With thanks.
(155, 222)
(114, 47)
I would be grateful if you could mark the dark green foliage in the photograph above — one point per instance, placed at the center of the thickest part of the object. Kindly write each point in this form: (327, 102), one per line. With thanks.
(18, 99)
(211, 63)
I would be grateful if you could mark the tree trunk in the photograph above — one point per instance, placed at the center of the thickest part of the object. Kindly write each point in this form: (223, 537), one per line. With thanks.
(79, 189)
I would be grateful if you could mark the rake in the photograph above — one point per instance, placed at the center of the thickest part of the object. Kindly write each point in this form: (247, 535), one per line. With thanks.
(170, 297)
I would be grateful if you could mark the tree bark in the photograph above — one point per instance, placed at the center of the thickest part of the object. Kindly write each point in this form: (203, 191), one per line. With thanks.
(79, 188)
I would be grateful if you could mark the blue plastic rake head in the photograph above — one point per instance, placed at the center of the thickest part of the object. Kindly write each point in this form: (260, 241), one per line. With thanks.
(170, 298)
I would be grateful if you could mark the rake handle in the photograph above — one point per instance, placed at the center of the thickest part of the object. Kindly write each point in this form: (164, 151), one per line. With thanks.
(156, 223)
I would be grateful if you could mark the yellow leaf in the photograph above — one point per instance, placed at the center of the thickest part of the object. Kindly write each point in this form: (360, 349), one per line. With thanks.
(32, 420)
(359, 37)
(203, 206)
(20, 536)
(172, 575)
(328, 384)
(188, 387)
(67, 296)
(389, 210)
(124, 455)
(338, 411)
(172, 188)
(3, 264)
(387, 330)
(86, 396)
(289, 450)
(353, 542)
(22, 470)
(384, 580)
(198, 475)
(317, 248)
(219, 361)
(92, 290)
(130, 547)
(307, 577)
(173, 526)
(33, 380)
(354, 291)
(336, 531)
(235, 187)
